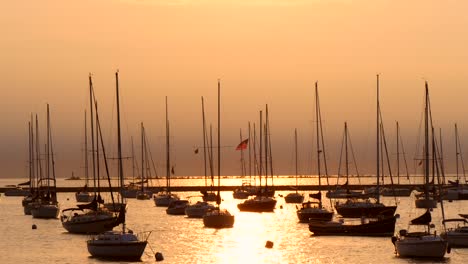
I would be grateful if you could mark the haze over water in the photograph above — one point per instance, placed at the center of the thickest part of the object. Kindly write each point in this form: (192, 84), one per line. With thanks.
(264, 52)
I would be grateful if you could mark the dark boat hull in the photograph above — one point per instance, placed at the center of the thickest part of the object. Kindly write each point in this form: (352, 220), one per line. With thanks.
(379, 228)
(263, 206)
(304, 217)
(371, 211)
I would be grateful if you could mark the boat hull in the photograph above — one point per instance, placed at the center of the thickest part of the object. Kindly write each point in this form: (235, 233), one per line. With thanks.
(420, 247)
(456, 239)
(123, 250)
(45, 211)
(90, 227)
(398, 192)
(425, 203)
(84, 197)
(266, 205)
(218, 221)
(317, 215)
(164, 200)
(380, 228)
(371, 210)
(294, 198)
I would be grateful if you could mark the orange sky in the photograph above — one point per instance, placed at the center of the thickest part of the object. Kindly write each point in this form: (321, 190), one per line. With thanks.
(263, 51)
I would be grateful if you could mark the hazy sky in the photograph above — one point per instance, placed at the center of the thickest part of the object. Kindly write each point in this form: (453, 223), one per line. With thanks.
(264, 52)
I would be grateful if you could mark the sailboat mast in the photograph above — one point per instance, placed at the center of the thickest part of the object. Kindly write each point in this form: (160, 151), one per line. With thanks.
(456, 150)
(318, 139)
(266, 148)
(48, 152)
(250, 154)
(346, 151)
(218, 198)
(204, 138)
(378, 141)
(168, 156)
(30, 156)
(260, 150)
(295, 152)
(398, 151)
(426, 143)
(119, 140)
(242, 156)
(86, 149)
(142, 156)
(92, 131)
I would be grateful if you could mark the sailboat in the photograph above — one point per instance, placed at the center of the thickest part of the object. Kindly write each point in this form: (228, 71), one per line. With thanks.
(398, 191)
(165, 197)
(295, 197)
(83, 195)
(313, 209)
(92, 218)
(355, 208)
(144, 193)
(27, 201)
(218, 217)
(208, 195)
(47, 206)
(426, 243)
(262, 202)
(122, 244)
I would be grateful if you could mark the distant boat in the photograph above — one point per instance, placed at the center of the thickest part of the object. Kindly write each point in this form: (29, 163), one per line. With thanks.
(314, 209)
(144, 193)
(198, 209)
(396, 190)
(208, 195)
(262, 202)
(218, 217)
(83, 196)
(165, 197)
(122, 244)
(17, 191)
(295, 197)
(47, 206)
(177, 207)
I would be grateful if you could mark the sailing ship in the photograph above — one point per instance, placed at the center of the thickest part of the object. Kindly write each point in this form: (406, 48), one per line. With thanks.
(355, 208)
(295, 197)
(381, 227)
(314, 209)
(92, 218)
(262, 202)
(47, 206)
(398, 190)
(122, 244)
(165, 197)
(218, 217)
(83, 195)
(198, 209)
(144, 193)
(426, 243)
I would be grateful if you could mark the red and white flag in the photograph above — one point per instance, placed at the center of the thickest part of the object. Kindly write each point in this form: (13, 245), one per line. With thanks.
(242, 145)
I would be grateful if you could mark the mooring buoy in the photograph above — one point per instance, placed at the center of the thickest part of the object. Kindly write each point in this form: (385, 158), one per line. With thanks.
(269, 244)
(159, 256)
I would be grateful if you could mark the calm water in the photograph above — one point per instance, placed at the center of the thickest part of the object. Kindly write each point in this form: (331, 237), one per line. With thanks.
(183, 240)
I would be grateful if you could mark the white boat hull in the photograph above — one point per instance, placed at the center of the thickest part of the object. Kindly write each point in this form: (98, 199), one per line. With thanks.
(84, 197)
(424, 203)
(95, 225)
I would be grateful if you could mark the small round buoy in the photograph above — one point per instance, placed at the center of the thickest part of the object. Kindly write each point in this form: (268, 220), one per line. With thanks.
(269, 244)
(34, 226)
(159, 256)
(68, 199)
(281, 206)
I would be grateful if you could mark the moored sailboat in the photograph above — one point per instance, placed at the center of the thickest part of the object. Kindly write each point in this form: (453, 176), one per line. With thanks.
(164, 198)
(122, 244)
(218, 217)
